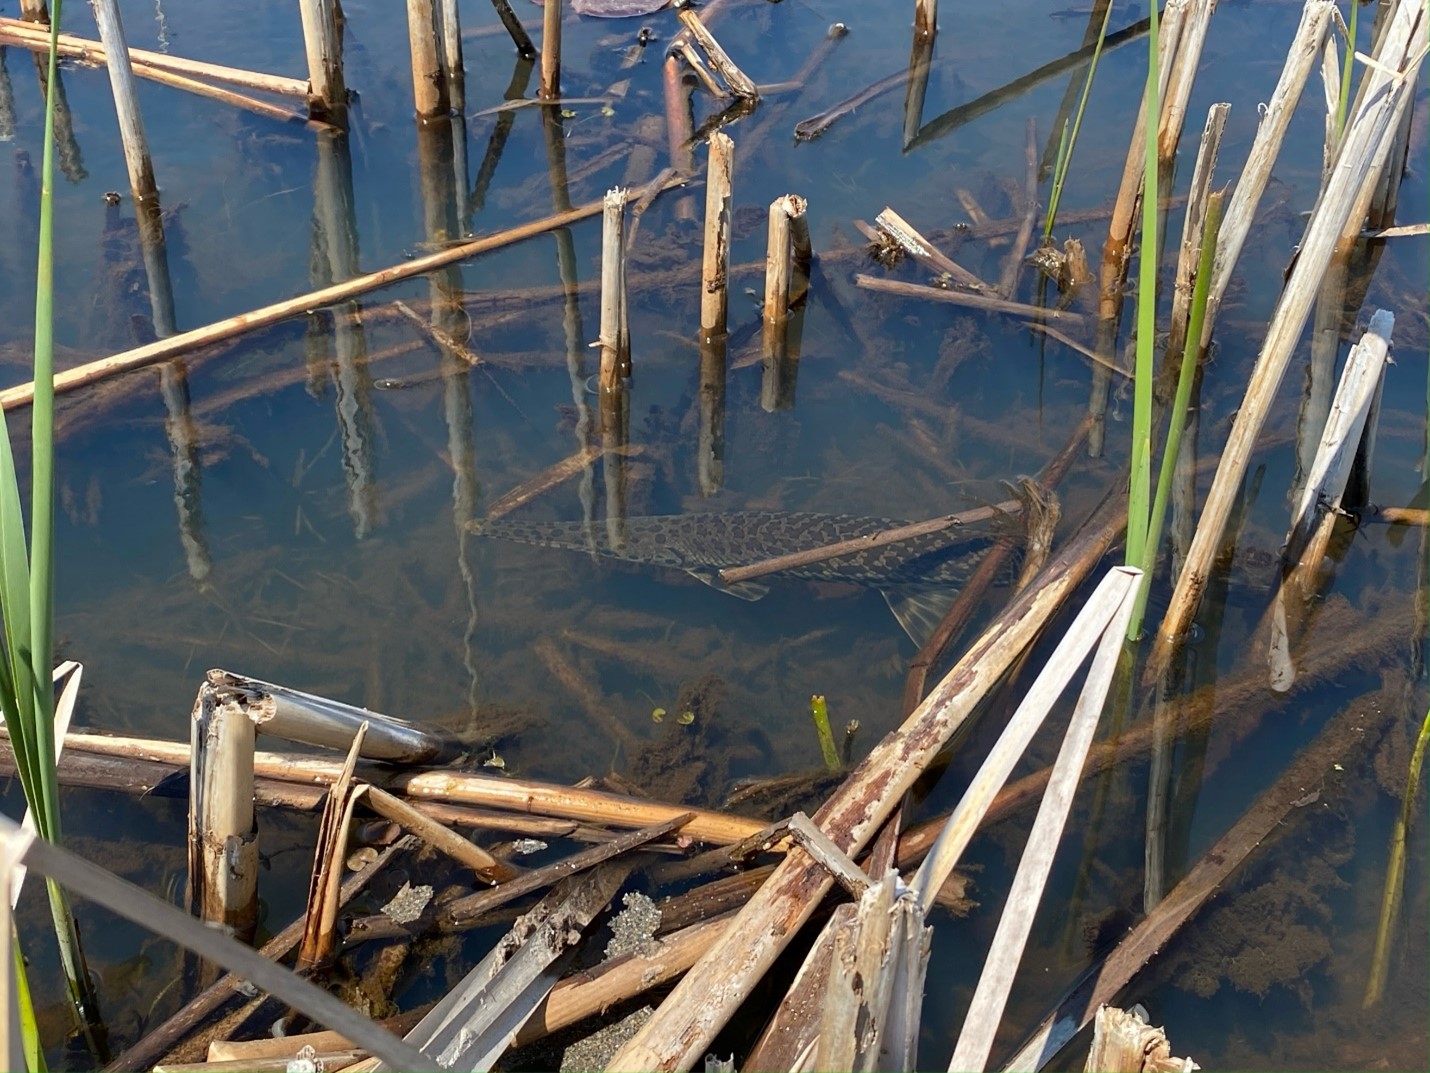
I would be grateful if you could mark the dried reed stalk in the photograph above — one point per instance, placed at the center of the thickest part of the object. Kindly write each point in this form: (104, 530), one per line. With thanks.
(429, 79)
(551, 50)
(1193, 225)
(1336, 222)
(126, 102)
(704, 1000)
(715, 261)
(86, 50)
(223, 836)
(521, 796)
(321, 918)
(965, 298)
(741, 85)
(615, 340)
(327, 90)
(920, 60)
(1275, 118)
(272, 314)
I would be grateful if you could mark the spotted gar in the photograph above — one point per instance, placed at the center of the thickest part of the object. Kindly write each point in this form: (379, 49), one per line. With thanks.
(919, 577)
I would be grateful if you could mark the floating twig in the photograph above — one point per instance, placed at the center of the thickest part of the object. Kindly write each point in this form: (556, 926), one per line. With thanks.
(908, 239)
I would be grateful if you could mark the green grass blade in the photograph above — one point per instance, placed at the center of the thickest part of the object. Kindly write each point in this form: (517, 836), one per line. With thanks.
(1186, 375)
(42, 487)
(1069, 138)
(1139, 491)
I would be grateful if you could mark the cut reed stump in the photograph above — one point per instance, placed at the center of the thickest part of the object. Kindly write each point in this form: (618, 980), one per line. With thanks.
(223, 832)
(551, 49)
(787, 262)
(715, 261)
(429, 77)
(323, 47)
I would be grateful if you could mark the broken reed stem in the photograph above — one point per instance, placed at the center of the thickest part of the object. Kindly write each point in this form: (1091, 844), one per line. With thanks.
(453, 67)
(702, 1003)
(126, 102)
(780, 255)
(1301, 57)
(440, 837)
(223, 835)
(1178, 87)
(1339, 213)
(615, 343)
(163, 1038)
(920, 60)
(551, 50)
(1193, 225)
(524, 47)
(24, 34)
(184, 342)
(741, 85)
(218, 93)
(908, 239)
(429, 81)
(322, 45)
(715, 262)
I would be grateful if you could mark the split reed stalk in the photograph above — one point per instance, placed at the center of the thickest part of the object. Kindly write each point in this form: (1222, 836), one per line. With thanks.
(1335, 223)
(715, 263)
(615, 344)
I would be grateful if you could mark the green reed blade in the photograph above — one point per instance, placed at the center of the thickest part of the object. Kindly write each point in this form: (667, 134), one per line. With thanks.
(1069, 137)
(1186, 375)
(1139, 492)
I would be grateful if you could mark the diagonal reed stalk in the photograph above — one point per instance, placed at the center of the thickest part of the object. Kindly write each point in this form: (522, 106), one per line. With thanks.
(27, 591)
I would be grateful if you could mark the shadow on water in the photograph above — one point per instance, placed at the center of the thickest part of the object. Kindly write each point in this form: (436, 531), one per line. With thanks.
(294, 504)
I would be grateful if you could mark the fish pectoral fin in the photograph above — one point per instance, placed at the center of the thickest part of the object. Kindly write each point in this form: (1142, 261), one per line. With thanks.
(745, 590)
(919, 611)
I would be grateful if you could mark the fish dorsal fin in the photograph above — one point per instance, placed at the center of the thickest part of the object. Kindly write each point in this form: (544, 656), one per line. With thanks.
(745, 590)
(919, 610)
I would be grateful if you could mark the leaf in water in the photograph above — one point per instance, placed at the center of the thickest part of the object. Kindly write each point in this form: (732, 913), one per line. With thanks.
(616, 9)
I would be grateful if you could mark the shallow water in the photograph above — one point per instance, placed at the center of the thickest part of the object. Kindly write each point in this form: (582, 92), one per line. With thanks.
(328, 470)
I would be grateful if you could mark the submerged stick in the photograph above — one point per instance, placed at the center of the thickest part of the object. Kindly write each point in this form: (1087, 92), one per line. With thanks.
(965, 298)
(305, 303)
